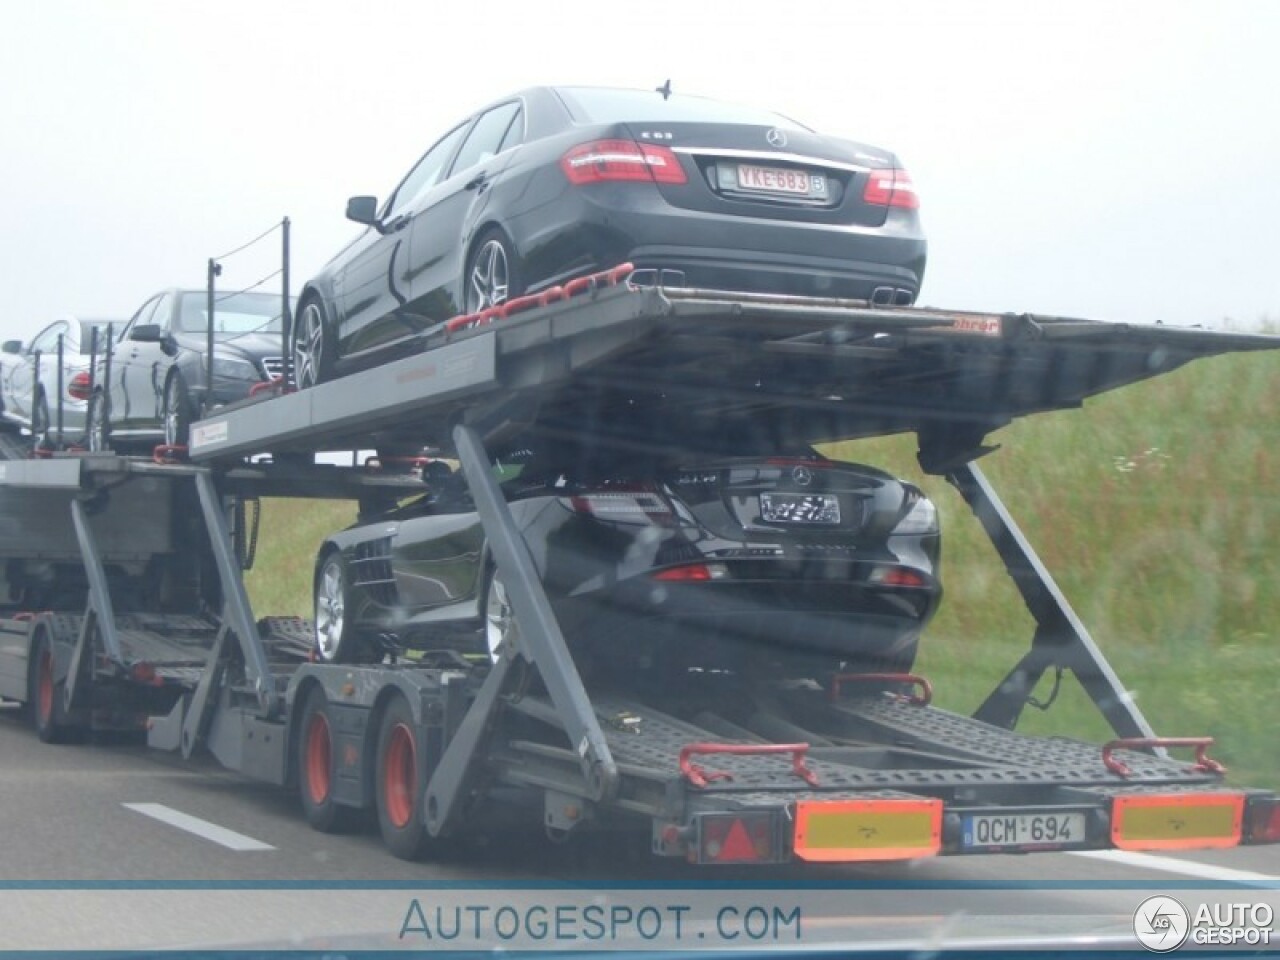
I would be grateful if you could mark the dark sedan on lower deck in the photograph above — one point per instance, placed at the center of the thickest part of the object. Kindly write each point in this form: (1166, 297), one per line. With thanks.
(803, 565)
(554, 183)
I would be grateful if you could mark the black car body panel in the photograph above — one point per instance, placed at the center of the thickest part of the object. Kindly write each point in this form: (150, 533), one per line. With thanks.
(527, 170)
(801, 563)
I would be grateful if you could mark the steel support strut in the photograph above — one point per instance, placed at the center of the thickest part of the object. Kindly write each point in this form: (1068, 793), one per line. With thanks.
(541, 643)
(100, 612)
(1060, 640)
(236, 612)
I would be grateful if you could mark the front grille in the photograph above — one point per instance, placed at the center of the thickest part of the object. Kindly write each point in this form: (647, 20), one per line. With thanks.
(274, 366)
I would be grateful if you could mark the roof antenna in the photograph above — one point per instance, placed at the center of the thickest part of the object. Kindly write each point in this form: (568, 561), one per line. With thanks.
(665, 89)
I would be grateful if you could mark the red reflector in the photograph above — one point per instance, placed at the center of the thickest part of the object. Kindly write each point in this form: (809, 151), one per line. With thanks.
(686, 574)
(78, 386)
(605, 160)
(143, 672)
(891, 188)
(729, 839)
(901, 577)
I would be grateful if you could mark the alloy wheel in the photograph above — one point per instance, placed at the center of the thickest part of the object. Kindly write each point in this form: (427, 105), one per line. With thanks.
(330, 610)
(490, 277)
(308, 347)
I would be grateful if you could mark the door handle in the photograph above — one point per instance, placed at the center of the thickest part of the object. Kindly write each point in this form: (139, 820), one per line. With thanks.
(478, 180)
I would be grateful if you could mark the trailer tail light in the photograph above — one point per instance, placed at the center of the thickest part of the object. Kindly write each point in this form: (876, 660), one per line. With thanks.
(602, 161)
(1179, 821)
(1262, 820)
(78, 386)
(891, 188)
(843, 831)
(738, 838)
(693, 573)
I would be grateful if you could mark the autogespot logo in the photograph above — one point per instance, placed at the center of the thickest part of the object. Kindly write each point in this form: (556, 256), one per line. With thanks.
(1161, 924)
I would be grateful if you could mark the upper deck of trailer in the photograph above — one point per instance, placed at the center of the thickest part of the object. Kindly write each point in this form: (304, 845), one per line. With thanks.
(647, 366)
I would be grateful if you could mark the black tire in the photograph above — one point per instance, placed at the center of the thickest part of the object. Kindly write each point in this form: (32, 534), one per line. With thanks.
(40, 419)
(45, 693)
(493, 273)
(316, 764)
(336, 641)
(313, 344)
(400, 783)
(97, 437)
(175, 412)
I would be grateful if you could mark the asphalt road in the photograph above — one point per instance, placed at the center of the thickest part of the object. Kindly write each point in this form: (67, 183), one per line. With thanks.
(87, 816)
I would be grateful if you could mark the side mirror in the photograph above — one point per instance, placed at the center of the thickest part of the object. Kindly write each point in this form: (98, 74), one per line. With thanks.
(363, 210)
(11, 346)
(146, 333)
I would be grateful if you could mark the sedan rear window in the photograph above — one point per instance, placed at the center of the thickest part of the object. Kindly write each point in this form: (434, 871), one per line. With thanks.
(605, 105)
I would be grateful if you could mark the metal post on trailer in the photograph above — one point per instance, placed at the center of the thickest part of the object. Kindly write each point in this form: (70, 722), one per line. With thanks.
(106, 386)
(61, 386)
(542, 644)
(1061, 639)
(35, 392)
(286, 314)
(214, 271)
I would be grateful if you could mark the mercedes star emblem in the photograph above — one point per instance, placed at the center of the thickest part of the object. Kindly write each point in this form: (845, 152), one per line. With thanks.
(776, 138)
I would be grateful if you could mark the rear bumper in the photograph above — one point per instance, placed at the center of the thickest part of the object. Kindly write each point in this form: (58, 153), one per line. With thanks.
(595, 228)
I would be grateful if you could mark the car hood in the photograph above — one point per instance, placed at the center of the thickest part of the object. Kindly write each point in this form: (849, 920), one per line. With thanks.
(254, 346)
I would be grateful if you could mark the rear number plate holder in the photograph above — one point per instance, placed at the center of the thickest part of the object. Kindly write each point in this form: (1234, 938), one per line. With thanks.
(994, 831)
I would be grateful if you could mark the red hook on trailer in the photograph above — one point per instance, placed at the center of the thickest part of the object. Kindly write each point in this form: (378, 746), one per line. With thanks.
(1202, 744)
(921, 699)
(699, 777)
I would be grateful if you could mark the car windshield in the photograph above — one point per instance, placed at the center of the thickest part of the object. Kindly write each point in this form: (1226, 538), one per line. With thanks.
(604, 105)
(233, 314)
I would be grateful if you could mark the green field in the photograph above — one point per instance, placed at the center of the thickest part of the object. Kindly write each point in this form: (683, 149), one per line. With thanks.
(1157, 508)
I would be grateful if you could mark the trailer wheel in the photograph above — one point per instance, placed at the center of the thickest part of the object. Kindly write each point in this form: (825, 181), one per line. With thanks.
(335, 640)
(401, 784)
(317, 766)
(45, 696)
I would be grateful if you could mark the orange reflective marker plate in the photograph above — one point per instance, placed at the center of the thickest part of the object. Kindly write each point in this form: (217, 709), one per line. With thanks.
(1186, 821)
(849, 830)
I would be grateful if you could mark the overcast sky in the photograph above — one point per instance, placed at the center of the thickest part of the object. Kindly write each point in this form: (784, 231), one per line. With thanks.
(1115, 160)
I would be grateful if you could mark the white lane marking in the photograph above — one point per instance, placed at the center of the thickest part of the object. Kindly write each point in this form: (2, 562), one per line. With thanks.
(201, 828)
(1204, 871)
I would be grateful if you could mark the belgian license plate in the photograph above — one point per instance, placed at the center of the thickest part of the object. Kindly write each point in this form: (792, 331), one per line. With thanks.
(1023, 830)
(799, 508)
(797, 183)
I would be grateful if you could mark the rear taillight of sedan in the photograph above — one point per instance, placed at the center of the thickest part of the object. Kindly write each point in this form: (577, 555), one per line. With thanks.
(603, 161)
(891, 188)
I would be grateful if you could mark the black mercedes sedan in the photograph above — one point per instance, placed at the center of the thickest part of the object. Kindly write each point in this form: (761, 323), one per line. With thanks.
(557, 182)
(802, 565)
(158, 368)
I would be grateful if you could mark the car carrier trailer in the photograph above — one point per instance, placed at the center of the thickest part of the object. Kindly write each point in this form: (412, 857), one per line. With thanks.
(129, 607)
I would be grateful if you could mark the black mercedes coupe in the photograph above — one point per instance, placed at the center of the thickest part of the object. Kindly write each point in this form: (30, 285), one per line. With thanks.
(795, 566)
